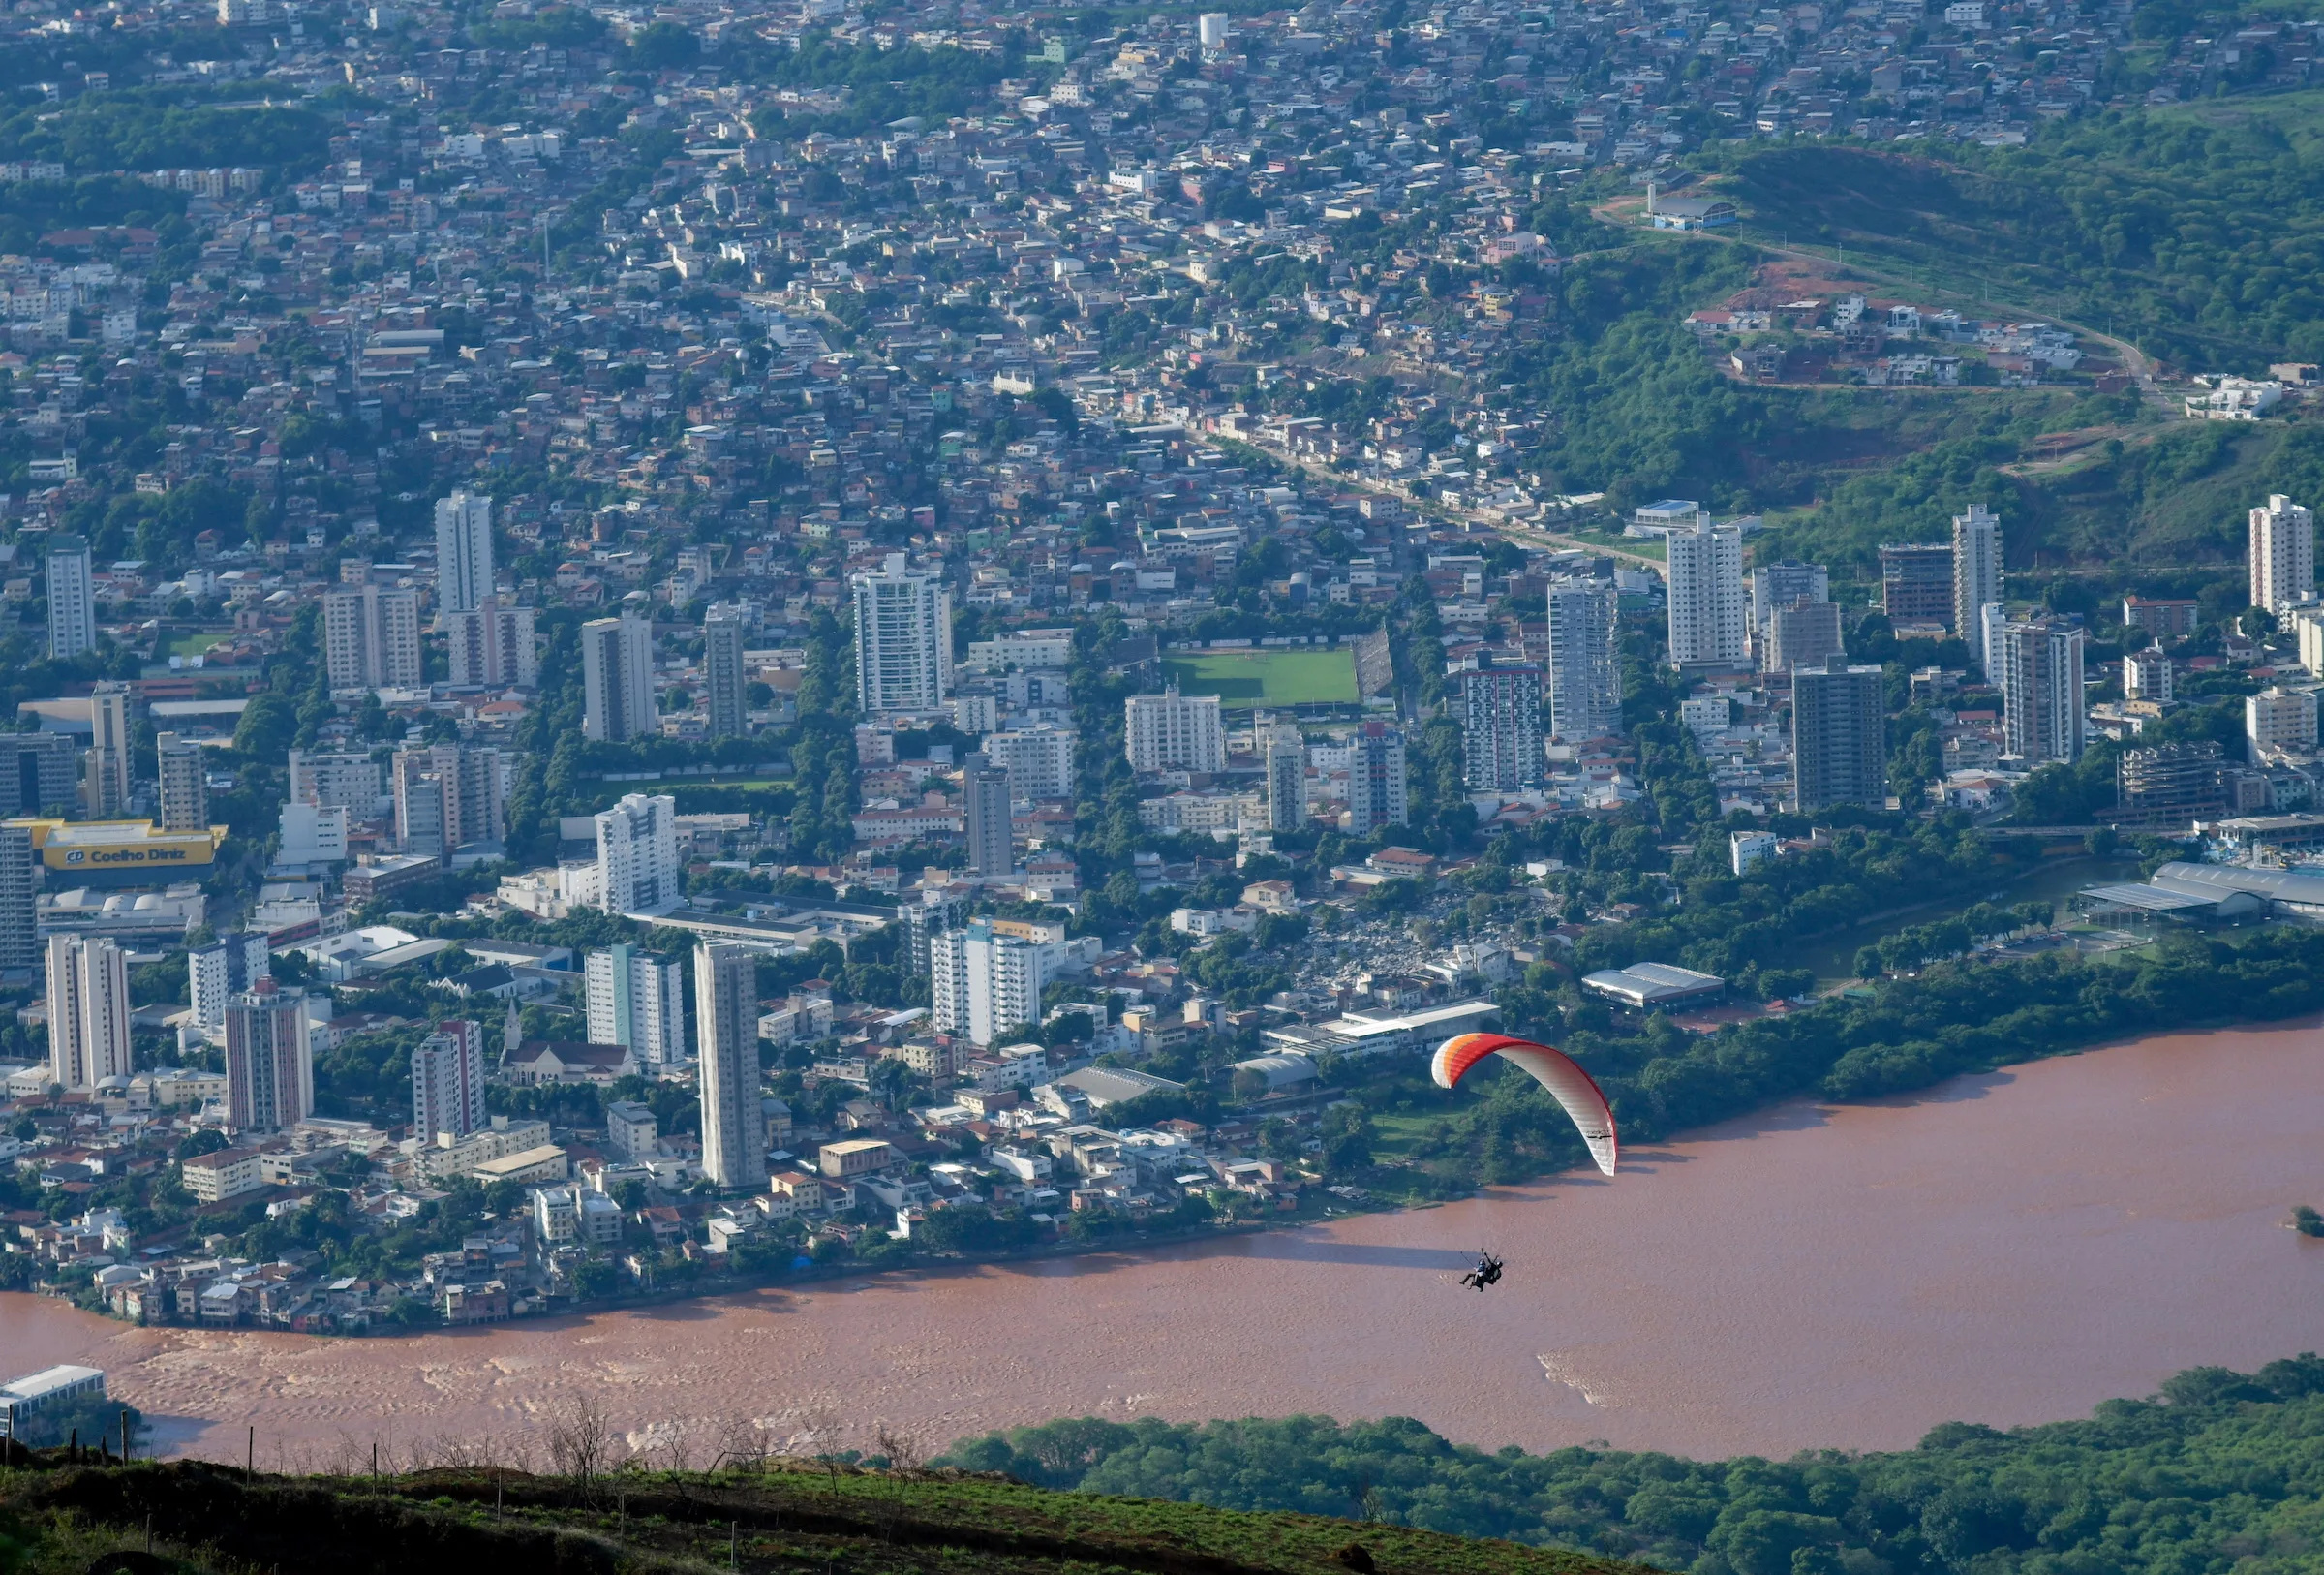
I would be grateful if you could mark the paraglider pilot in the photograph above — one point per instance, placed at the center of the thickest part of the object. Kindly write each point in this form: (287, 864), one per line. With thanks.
(1486, 1273)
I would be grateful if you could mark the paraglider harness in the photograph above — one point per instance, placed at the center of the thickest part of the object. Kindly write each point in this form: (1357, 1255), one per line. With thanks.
(1486, 1273)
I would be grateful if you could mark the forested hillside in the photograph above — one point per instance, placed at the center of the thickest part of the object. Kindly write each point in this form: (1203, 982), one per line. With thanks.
(2196, 231)
(2220, 1470)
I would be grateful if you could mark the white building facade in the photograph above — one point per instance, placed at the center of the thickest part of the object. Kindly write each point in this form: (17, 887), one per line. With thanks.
(1173, 732)
(637, 855)
(902, 639)
(2283, 554)
(638, 1000)
(1710, 618)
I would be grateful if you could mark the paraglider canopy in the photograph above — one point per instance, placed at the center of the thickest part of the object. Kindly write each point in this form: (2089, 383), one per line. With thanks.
(1554, 1069)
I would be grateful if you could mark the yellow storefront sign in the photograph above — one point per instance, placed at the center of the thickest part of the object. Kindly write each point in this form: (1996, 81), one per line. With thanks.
(92, 846)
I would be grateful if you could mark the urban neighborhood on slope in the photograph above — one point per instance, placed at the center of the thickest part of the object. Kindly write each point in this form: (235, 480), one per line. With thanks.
(659, 650)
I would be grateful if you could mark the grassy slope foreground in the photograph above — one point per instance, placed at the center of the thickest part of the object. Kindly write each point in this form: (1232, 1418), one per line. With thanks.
(815, 1520)
(2220, 1471)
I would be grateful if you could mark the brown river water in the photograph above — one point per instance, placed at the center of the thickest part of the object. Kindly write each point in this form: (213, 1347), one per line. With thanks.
(2005, 1248)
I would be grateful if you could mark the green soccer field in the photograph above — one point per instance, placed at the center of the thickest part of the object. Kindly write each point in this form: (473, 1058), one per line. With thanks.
(1244, 679)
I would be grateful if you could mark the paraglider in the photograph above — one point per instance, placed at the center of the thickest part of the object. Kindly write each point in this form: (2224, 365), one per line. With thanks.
(1555, 1070)
(1486, 1273)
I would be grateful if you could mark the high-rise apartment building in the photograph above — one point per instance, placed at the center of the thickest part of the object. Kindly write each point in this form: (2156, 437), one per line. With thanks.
(463, 552)
(371, 636)
(1916, 583)
(1781, 585)
(71, 597)
(1839, 736)
(617, 679)
(346, 779)
(734, 1150)
(19, 943)
(1976, 578)
(448, 797)
(1583, 675)
(1501, 729)
(447, 1082)
(269, 1060)
(2279, 722)
(985, 816)
(104, 787)
(184, 781)
(1173, 732)
(38, 773)
(983, 982)
(902, 639)
(638, 1000)
(1710, 620)
(1283, 753)
(2037, 664)
(1804, 635)
(722, 674)
(2283, 554)
(935, 913)
(492, 645)
(88, 1012)
(218, 971)
(1039, 759)
(1376, 781)
(637, 854)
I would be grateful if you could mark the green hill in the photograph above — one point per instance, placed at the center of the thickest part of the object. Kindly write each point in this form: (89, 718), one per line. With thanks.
(200, 1519)
(2221, 1471)
(2195, 230)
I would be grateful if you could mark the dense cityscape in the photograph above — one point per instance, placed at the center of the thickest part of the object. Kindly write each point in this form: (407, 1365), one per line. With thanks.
(661, 649)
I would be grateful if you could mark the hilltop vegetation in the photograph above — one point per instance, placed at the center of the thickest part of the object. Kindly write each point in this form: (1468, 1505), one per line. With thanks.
(2196, 231)
(2220, 1471)
(828, 1516)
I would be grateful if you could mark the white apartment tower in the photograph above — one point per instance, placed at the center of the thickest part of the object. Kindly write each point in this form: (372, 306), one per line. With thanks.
(220, 970)
(2283, 554)
(983, 982)
(1710, 620)
(734, 1150)
(447, 1082)
(371, 637)
(88, 1012)
(2038, 665)
(1285, 753)
(269, 1060)
(1583, 679)
(1376, 781)
(1976, 578)
(638, 1000)
(722, 674)
(344, 779)
(1501, 729)
(1173, 732)
(902, 639)
(71, 597)
(2278, 722)
(463, 552)
(1038, 760)
(492, 645)
(617, 679)
(637, 854)
(2147, 675)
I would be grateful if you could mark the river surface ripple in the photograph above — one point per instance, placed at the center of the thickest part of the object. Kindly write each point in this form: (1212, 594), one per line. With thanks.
(2004, 1249)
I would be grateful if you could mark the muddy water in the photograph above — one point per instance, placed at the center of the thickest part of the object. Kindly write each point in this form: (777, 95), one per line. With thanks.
(2005, 1248)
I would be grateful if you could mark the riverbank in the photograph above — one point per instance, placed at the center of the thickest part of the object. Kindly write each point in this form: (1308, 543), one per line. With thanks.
(2011, 1246)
